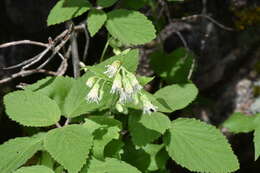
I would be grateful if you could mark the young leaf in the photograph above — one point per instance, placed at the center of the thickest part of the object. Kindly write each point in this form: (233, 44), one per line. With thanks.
(31, 109)
(34, 169)
(146, 128)
(240, 123)
(15, 152)
(174, 67)
(130, 27)
(96, 19)
(199, 147)
(111, 165)
(257, 142)
(69, 146)
(177, 96)
(67, 9)
(106, 3)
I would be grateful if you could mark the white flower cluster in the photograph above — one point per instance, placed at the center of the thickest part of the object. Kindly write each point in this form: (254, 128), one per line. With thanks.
(125, 85)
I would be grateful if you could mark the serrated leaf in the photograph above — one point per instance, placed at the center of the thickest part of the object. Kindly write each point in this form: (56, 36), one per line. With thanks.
(257, 142)
(158, 156)
(67, 9)
(199, 147)
(75, 103)
(146, 128)
(96, 19)
(56, 88)
(111, 165)
(69, 146)
(130, 27)
(31, 109)
(240, 123)
(34, 169)
(106, 3)
(176, 96)
(15, 152)
(174, 67)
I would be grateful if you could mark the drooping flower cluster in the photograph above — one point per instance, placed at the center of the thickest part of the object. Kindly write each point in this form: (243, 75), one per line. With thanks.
(124, 84)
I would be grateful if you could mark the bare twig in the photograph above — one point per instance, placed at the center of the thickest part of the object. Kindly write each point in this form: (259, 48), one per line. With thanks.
(86, 44)
(15, 43)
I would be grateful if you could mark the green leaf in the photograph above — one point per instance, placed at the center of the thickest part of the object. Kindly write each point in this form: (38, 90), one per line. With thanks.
(106, 3)
(129, 60)
(111, 165)
(31, 109)
(200, 147)
(158, 156)
(113, 149)
(69, 146)
(257, 142)
(75, 103)
(101, 138)
(96, 19)
(15, 152)
(130, 27)
(143, 80)
(56, 88)
(46, 160)
(177, 96)
(240, 123)
(174, 67)
(146, 128)
(67, 9)
(137, 157)
(34, 169)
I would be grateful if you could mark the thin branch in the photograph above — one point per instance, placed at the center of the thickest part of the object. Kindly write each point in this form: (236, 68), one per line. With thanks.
(86, 44)
(26, 73)
(75, 55)
(210, 19)
(15, 43)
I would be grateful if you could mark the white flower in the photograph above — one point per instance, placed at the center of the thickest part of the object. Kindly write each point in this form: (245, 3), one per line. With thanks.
(123, 97)
(148, 107)
(128, 88)
(91, 81)
(117, 84)
(94, 95)
(112, 69)
(134, 82)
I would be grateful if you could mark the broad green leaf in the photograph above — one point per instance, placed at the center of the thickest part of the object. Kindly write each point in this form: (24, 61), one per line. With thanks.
(69, 146)
(75, 103)
(130, 27)
(101, 138)
(174, 67)
(106, 3)
(34, 169)
(31, 109)
(240, 123)
(46, 160)
(137, 157)
(158, 156)
(106, 121)
(145, 132)
(113, 149)
(57, 88)
(176, 96)
(111, 165)
(200, 147)
(67, 9)
(15, 152)
(96, 19)
(257, 142)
